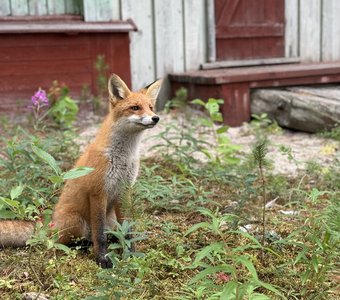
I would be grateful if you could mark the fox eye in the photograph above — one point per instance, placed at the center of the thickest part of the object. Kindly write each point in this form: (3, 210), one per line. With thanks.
(151, 107)
(135, 107)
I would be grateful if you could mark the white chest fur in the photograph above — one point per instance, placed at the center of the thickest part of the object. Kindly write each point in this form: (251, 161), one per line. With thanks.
(123, 154)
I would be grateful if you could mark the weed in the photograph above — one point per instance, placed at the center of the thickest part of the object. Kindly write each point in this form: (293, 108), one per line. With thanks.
(198, 209)
(259, 153)
(334, 133)
(262, 124)
(179, 101)
(64, 109)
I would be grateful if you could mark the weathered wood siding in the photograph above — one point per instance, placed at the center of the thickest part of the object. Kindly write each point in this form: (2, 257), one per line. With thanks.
(40, 7)
(171, 37)
(171, 34)
(313, 29)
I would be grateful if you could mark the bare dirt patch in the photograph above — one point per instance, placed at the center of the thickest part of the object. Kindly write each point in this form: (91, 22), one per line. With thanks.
(304, 147)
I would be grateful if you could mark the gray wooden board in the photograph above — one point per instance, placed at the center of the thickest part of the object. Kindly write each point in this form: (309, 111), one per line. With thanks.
(5, 8)
(330, 30)
(19, 8)
(142, 41)
(37, 7)
(292, 28)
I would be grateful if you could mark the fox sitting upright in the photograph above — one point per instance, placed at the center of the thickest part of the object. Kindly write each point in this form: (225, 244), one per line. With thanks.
(88, 204)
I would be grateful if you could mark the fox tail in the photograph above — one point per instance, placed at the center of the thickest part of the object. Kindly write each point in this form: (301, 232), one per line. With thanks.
(15, 233)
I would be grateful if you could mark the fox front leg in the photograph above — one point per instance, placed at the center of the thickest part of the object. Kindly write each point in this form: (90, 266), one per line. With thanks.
(98, 220)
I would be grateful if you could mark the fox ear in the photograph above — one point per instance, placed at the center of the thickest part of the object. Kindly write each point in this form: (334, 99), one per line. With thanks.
(117, 88)
(152, 90)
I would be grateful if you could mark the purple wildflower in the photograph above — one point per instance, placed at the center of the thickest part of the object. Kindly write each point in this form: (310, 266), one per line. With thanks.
(39, 99)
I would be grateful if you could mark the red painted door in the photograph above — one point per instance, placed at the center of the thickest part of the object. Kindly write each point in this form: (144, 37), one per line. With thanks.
(247, 29)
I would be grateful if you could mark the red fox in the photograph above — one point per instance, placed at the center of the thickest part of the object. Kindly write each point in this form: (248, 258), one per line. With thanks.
(88, 204)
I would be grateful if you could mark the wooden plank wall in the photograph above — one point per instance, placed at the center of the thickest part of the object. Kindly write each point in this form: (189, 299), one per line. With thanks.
(171, 34)
(313, 30)
(171, 37)
(40, 7)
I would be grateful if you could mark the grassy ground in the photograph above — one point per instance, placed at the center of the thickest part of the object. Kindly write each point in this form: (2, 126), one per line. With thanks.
(200, 226)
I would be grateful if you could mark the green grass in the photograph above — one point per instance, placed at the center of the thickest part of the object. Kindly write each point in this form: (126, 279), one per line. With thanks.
(193, 218)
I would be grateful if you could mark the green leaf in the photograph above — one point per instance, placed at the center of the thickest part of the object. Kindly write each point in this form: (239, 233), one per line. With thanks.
(203, 225)
(198, 102)
(271, 288)
(315, 264)
(300, 256)
(10, 202)
(248, 236)
(62, 247)
(207, 250)
(222, 129)
(16, 192)
(217, 117)
(77, 172)
(46, 157)
(56, 179)
(249, 265)
(7, 214)
(229, 291)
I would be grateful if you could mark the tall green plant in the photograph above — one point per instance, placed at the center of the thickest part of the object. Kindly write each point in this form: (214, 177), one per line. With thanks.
(225, 150)
(259, 154)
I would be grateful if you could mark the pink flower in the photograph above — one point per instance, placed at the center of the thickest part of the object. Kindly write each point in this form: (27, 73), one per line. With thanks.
(39, 99)
(51, 224)
(222, 277)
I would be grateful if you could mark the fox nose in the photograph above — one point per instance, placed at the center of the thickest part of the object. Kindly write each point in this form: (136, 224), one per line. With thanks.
(155, 119)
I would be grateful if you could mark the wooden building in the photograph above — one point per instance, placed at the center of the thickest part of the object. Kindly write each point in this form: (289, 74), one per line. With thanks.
(147, 39)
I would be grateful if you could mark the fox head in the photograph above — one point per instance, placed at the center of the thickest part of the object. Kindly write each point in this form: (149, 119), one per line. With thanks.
(133, 110)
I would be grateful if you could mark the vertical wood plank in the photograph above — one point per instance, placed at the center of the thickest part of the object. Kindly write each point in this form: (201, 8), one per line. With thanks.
(117, 9)
(101, 10)
(142, 42)
(169, 37)
(69, 6)
(56, 7)
(195, 37)
(5, 8)
(90, 11)
(105, 10)
(310, 30)
(78, 7)
(292, 28)
(169, 33)
(73, 7)
(19, 7)
(330, 30)
(37, 7)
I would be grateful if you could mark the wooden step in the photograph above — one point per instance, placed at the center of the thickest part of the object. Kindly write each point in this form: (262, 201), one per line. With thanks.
(234, 84)
(250, 62)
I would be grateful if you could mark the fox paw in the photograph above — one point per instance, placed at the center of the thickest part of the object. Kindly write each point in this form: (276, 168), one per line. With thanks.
(104, 262)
